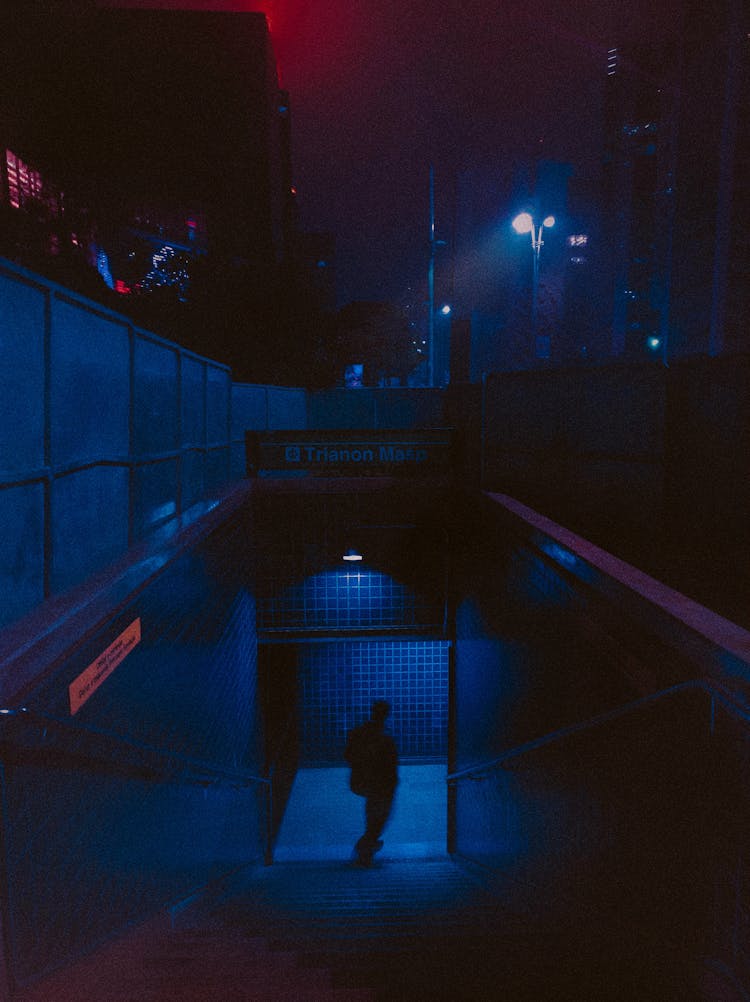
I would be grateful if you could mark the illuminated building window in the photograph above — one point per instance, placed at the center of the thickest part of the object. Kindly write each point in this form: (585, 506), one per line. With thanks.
(25, 185)
(578, 240)
(611, 62)
(169, 268)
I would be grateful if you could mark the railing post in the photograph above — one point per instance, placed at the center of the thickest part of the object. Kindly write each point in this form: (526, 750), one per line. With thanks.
(268, 796)
(452, 828)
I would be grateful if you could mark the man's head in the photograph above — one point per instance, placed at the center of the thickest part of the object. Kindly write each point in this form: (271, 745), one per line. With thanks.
(380, 710)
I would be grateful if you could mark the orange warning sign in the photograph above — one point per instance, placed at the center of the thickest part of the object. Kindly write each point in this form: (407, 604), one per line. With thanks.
(98, 671)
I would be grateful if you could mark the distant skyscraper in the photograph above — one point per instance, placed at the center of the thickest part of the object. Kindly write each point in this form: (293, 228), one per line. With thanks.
(638, 191)
(710, 287)
(168, 134)
(677, 186)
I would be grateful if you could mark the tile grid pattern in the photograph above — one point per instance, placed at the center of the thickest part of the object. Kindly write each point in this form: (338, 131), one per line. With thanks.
(346, 600)
(339, 680)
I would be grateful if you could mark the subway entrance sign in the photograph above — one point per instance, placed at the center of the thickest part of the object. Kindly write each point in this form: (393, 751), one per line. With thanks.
(345, 453)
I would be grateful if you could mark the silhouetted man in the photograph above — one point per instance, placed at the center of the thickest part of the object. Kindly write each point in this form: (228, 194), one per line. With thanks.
(373, 758)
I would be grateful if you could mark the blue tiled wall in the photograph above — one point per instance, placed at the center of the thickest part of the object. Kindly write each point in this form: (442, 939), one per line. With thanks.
(189, 686)
(347, 599)
(339, 681)
(102, 822)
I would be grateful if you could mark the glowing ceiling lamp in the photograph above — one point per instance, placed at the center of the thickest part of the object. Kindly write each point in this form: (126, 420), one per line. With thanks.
(352, 555)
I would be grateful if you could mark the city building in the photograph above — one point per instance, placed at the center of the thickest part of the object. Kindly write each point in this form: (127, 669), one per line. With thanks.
(154, 145)
(710, 279)
(638, 197)
(675, 186)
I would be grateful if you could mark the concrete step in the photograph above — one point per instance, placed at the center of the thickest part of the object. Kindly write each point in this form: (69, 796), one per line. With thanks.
(433, 930)
(216, 963)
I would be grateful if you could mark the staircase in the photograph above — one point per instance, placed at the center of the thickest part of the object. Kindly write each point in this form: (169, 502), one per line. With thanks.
(433, 930)
(419, 926)
(407, 929)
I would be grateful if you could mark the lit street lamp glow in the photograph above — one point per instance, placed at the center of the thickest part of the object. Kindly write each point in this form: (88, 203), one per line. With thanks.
(524, 223)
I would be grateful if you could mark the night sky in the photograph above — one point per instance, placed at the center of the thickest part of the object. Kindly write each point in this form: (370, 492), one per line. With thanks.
(381, 90)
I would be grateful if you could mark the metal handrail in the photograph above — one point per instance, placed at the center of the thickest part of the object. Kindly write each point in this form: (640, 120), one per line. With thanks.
(710, 686)
(191, 767)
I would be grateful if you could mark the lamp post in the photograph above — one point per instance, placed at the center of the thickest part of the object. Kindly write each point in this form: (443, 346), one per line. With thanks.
(523, 223)
(434, 244)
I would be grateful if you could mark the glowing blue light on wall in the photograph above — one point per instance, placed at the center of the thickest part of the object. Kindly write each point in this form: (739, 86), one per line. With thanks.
(352, 596)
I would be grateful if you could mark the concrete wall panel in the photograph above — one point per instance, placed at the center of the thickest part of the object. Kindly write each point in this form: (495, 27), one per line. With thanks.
(216, 470)
(118, 396)
(620, 410)
(287, 408)
(155, 398)
(193, 401)
(405, 408)
(237, 461)
(21, 550)
(89, 386)
(22, 336)
(341, 409)
(154, 498)
(249, 409)
(89, 523)
(218, 393)
(193, 477)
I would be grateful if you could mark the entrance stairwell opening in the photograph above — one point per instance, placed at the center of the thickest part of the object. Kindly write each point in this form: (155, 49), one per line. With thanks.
(334, 635)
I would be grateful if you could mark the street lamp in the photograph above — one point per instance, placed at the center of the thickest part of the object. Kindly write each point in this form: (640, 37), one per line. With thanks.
(523, 223)
(434, 244)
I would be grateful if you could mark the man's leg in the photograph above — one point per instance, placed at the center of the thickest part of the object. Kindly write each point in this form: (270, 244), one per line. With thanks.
(377, 810)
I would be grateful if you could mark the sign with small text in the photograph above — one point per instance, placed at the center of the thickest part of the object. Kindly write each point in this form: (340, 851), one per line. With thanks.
(83, 687)
(329, 453)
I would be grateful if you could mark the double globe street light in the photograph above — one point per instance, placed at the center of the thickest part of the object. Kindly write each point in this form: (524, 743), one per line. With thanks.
(524, 223)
